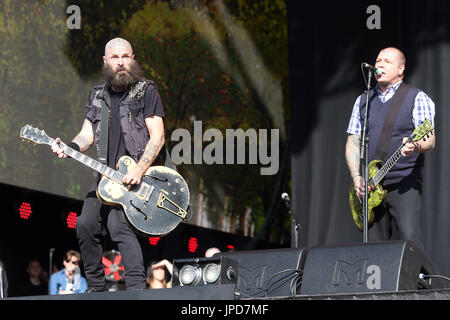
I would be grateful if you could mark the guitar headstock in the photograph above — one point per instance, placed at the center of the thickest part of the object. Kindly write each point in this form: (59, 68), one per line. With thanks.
(34, 135)
(422, 131)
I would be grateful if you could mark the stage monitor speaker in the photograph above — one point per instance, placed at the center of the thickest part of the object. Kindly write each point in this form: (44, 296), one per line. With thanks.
(370, 267)
(265, 273)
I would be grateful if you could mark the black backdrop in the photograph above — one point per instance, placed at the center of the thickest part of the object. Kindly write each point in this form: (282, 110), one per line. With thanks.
(328, 41)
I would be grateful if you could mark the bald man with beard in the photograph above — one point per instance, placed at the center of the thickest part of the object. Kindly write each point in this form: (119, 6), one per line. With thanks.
(136, 129)
(399, 215)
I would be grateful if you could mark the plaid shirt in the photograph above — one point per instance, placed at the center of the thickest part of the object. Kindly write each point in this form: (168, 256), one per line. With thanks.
(423, 109)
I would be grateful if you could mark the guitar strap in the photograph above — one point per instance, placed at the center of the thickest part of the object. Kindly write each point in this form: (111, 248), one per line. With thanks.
(389, 121)
(167, 159)
(103, 139)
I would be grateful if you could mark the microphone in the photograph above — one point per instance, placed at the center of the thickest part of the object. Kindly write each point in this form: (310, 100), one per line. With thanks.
(372, 69)
(425, 276)
(286, 199)
(73, 281)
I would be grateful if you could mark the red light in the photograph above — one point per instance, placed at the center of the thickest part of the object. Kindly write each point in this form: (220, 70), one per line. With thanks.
(192, 244)
(72, 220)
(153, 240)
(25, 210)
(230, 246)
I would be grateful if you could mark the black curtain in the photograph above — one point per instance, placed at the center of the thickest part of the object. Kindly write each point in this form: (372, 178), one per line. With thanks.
(328, 41)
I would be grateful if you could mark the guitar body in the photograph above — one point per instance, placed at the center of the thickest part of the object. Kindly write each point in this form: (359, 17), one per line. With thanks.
(375, 198)
(154, 207)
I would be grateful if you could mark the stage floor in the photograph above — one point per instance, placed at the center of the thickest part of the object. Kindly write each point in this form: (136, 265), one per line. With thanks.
(227, 292)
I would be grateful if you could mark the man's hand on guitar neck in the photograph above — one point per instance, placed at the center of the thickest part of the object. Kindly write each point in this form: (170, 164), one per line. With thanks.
(56, 148)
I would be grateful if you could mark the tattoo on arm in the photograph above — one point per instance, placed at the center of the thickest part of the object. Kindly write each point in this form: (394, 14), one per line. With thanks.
(352, 154)
(150, 153)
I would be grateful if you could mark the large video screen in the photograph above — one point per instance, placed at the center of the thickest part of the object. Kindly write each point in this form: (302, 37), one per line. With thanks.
(221, 68)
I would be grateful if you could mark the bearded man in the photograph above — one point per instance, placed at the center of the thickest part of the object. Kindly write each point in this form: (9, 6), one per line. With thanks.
(136, 129)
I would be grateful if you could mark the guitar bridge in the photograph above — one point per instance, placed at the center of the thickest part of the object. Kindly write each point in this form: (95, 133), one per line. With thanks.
(179, 211)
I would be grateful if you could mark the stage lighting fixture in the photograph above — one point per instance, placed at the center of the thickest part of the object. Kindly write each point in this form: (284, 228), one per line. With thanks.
(203, 271)
(25, 210)
(192, 244)
(71, 220)
(211, 273)
(190, 275)
(153, 241)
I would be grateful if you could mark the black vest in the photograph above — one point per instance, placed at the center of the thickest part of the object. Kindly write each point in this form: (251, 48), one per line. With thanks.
(403, 127)
(131, 107)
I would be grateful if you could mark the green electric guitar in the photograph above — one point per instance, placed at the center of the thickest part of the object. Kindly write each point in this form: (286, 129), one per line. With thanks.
(376, 175)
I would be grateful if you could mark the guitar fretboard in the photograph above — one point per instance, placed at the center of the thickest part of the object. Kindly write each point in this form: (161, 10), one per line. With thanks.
(91, 163)
(387, 166)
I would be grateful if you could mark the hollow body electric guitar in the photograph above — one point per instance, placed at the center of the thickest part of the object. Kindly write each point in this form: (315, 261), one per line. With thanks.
(376, 175)
(154, 207)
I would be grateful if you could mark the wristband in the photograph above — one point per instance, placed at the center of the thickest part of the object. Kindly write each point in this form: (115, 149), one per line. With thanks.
(74, 146)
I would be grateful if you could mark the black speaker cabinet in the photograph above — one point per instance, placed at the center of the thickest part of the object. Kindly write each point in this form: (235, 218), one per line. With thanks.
(371, 267)
(265, 273)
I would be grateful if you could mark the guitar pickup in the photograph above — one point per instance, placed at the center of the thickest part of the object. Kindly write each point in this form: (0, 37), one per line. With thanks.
(171, 206)
(145, 191)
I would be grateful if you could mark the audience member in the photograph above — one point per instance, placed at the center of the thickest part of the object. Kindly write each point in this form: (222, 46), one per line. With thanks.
(159, 275)
(68, 280)
(34, 283)
(211, 252)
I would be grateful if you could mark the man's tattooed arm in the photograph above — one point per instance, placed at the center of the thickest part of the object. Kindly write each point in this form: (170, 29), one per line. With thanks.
(155, 126)
(151, 152)
(352, 150)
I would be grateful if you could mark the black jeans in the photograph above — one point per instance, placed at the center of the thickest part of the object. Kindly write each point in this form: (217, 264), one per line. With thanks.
(90, 226)
(399, 216)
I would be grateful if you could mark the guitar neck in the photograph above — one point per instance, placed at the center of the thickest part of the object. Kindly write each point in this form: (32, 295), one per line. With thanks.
(387, 166)
(91, 163)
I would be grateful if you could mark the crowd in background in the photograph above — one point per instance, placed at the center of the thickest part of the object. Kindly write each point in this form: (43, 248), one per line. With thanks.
(69, 279)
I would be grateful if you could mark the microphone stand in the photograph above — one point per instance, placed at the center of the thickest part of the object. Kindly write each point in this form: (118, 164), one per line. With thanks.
(1, 282)
(294, 225)
(294, 229)
(2, 293)
(50, 268)
(364, 160)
